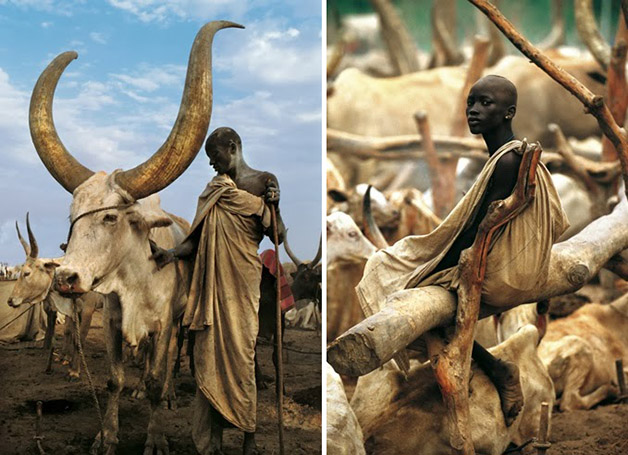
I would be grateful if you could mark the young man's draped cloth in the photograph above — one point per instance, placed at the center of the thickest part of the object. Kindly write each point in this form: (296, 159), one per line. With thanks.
(224, 298)
(518, 258)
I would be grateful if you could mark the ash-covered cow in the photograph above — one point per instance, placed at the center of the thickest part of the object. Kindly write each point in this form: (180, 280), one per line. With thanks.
(580, 350)
(115, 210)
(347, 252)
(386, 404)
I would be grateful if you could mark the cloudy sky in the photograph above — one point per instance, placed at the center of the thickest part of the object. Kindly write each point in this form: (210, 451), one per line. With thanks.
(116, 103)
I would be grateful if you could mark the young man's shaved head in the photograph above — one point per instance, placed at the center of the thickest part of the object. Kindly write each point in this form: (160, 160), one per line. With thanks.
(501, 85)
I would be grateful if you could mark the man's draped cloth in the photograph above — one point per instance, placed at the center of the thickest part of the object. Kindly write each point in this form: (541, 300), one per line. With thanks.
(224, 298)
(518, 258)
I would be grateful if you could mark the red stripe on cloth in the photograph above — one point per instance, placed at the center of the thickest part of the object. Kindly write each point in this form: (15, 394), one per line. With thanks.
(268, 260)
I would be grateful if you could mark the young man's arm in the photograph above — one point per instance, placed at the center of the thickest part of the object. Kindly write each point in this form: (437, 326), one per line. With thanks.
(185, 249)
(500, 186)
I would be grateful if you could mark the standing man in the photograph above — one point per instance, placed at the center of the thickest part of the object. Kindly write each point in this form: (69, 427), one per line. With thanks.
(231, 219)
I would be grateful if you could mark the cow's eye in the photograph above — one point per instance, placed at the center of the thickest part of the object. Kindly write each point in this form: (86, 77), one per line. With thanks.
(353, 234)
(110, 218)
(26, 274)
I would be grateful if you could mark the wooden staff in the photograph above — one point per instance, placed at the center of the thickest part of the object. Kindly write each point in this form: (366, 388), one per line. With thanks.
(278, 337)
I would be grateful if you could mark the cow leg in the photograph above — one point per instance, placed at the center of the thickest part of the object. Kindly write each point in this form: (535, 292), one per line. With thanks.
(68, 344)
(48, 338)
(112, 325)
(139, 392)
(50, 328)
(155, 439)
(173, 351)
(180, 340)
(74, 371)
(505, 377)
(578, 369)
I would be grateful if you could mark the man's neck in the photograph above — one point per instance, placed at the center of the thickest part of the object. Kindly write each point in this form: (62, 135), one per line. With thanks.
(238, 170)
(495, 139)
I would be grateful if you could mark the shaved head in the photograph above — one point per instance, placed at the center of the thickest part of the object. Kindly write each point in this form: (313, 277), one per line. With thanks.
(501, 86)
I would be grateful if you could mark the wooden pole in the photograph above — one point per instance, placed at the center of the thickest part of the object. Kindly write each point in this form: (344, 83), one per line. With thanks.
(542, 442)
(621, 380)
(278, 337)
(451, 362)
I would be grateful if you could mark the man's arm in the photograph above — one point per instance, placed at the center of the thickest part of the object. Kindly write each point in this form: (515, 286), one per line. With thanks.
(185, 249)
(500, 186)
(271, 196)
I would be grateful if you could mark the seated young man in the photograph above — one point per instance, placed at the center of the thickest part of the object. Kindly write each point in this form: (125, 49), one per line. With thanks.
(518, 259)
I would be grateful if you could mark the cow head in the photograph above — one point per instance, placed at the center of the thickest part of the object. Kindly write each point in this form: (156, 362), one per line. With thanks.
(108, 229)
(94, 193)
(345, 240)
(385, 214)
(36, 274)
(306, 280)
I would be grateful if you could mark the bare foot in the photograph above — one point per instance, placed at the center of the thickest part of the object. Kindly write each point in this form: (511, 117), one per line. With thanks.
(508, 386)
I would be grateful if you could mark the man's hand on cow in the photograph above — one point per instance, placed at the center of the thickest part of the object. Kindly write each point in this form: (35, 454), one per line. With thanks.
(271, 195)
(162, 257)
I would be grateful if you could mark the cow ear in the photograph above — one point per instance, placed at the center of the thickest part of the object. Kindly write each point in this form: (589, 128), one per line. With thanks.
(155, 220)
(51, 265)
(338, 196)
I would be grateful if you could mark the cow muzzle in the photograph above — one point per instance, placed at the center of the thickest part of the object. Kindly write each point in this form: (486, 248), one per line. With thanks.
(14, 302)
(69, 282)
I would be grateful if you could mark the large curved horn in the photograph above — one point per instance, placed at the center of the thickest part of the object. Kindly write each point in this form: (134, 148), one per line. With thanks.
(31, 239)
(189, 131)
(589, 33)
(27, 249)
(62, 166)
(295, 259)
(319, 253)
(371, 229)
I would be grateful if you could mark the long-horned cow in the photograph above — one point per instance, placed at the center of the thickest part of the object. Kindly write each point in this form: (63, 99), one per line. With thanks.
(106, 210)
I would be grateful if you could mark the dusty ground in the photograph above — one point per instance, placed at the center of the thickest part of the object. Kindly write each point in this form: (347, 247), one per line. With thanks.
(70, 421)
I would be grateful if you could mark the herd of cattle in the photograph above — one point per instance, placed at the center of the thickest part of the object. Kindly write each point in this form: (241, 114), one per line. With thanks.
(568, 361)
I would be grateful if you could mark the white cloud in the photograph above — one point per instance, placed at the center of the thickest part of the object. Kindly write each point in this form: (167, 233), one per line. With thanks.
(166, 10)
(275, 55)
(150, 78)
(98, 38)
(46, 24)
(63, 7)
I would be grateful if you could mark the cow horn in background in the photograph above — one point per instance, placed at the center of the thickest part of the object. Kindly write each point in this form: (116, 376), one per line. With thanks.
(27, 249)
(319, 253)
(64, 167)
(371, 229)
(295, 259)
(589, 33)
(190, 128)
(31, 239)
(556, 36)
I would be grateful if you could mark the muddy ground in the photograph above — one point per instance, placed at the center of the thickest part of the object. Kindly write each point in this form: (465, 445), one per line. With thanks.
(70, 421)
